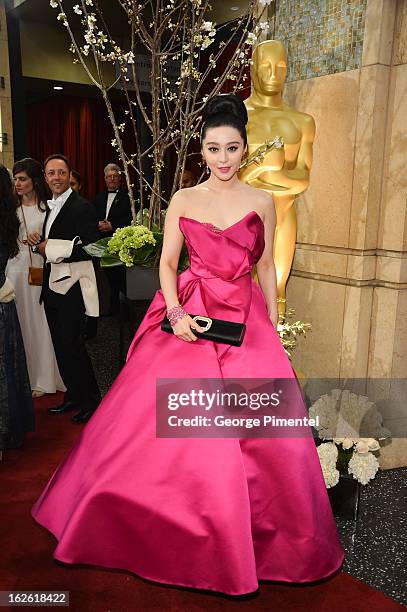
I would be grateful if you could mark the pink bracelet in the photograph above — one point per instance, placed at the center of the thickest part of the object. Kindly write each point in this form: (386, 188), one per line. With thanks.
(175, 314)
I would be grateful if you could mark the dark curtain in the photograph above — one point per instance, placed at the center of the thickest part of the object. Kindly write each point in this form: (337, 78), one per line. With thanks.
(78, 128)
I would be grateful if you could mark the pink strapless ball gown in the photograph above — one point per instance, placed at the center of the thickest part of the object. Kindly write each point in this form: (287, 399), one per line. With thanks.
(214, 513)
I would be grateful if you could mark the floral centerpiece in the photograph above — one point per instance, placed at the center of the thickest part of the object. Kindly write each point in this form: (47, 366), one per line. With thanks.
(134, 245)
(359, 424)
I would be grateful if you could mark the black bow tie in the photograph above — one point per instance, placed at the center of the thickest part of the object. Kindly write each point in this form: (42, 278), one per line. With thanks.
(114, 191)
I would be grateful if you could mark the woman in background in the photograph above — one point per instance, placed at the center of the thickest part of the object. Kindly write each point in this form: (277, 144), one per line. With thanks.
(32, 195)
(16, 409)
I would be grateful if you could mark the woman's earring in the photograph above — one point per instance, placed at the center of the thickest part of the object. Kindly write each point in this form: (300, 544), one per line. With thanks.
(207, 169)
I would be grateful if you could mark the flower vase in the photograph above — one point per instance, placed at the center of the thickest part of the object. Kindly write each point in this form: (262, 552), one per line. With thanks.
(344, 456)
(344, 496)
(142, 282)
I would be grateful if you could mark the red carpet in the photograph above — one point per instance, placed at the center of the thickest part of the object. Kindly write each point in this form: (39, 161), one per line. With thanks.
(26, 561)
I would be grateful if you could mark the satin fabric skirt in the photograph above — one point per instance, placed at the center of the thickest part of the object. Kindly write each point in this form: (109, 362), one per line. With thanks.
(217, 514)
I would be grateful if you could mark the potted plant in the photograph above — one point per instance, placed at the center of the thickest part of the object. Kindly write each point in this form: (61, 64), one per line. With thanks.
(138, 248)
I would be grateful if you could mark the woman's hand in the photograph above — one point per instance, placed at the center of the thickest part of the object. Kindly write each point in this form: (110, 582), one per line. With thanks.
(33, 238)
(41, 247)
(182, 329)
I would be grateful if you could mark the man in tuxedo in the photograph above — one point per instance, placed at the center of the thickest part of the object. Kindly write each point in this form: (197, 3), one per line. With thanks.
(113, 210)
(69, 215)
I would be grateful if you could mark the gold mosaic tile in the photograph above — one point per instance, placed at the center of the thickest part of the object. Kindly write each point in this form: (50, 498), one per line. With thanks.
(321, 36)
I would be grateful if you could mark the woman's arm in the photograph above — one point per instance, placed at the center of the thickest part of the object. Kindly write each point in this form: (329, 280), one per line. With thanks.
(172, 245)
(266, 270)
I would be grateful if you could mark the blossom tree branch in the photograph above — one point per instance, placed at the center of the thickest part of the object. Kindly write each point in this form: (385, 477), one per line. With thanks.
(171, 36)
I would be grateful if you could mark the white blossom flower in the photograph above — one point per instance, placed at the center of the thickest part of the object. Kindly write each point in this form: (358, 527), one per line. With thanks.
(328, 454)
(363, 467)
(90, 38)
(129, 57)
(331, 475)
(207, 26)
(328, 451)
(251, 38)
(346, 442)
(77, 10)
(53, 3)
(206, 42)
(62, 17)
(364, 445)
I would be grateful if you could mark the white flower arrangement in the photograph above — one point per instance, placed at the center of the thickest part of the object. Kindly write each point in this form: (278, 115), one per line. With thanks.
(363, 466)
(328, 455)
(349, 415)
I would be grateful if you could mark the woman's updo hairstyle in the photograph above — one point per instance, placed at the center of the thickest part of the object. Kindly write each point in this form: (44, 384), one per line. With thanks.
(225, 109)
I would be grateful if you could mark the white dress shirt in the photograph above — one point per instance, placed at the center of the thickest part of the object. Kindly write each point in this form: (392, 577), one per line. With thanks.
(55, 205)
(110, 199)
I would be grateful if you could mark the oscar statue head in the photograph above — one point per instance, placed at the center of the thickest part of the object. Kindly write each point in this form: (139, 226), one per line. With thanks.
(268, 67)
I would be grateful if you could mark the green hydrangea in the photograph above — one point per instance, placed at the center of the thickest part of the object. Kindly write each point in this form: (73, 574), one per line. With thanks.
(127, 242)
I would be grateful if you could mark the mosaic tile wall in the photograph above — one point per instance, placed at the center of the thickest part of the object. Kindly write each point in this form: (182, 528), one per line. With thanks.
(321, 36)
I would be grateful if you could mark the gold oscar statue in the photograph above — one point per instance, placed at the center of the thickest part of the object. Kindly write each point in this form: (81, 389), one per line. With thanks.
(283, 171)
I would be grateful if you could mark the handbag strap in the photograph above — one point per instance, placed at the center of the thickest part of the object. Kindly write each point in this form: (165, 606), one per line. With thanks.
(26, 231)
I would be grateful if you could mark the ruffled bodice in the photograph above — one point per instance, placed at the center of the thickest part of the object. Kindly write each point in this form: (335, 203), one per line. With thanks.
(218, 282)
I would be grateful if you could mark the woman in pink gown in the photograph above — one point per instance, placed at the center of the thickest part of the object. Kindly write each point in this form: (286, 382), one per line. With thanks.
(208, 513)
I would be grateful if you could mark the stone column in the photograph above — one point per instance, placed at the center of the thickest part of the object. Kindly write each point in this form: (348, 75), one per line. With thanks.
(349, 276)
(6, 123)
(385, 57)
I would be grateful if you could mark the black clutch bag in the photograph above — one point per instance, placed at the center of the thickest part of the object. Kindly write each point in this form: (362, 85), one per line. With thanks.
(225, 332)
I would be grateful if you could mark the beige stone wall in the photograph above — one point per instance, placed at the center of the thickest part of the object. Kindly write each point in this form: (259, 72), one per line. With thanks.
(349, 277)
(6, 123)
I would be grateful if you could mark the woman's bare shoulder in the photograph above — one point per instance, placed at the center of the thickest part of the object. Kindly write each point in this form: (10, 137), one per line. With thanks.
(178, 201)
(185, 200)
